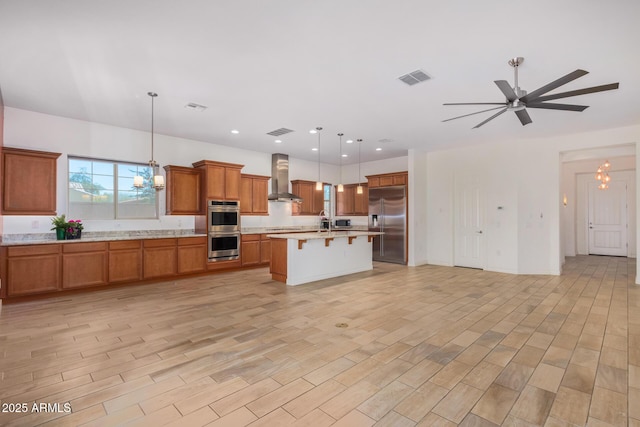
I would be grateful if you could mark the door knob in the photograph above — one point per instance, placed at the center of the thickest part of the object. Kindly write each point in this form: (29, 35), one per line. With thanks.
(479, 232)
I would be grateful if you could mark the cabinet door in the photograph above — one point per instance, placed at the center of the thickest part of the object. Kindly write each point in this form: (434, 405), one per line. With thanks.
(28, 182)
(192, 259)
(265, 250)
(183, 191)
(250, 252)
(232, 184)
(260, 199)
(33, 270)
(306, 191)
(125, 261)
(246, 195)
(318, 201)
(84, 264)
(215, 182)
(159, 258)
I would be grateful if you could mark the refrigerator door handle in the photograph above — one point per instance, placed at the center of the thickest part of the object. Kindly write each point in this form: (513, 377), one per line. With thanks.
(381, 221)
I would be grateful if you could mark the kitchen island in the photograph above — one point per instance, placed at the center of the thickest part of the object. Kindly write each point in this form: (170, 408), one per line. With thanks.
(298, 258)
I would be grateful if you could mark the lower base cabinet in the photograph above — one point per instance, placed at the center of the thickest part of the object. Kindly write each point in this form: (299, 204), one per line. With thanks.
(32, 269)
(159, 258)
(84, 264)
(125, 261)
(192, 255)
(255, 249)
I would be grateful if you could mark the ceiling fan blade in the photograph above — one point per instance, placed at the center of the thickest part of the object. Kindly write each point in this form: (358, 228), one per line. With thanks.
(554, 84)
(585, 91)
(491, 118)
(475, 103)
(524, 117)
(467, 115)
(565, 107)
(504, 86)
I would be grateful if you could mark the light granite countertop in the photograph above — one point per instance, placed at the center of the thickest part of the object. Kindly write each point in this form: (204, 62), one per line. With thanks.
(324, 234)
(297, 229)
(96, 236)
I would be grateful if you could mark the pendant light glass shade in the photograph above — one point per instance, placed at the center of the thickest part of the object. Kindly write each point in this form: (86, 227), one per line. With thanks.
(340, 186)
(319, 183)
(359, 189)
(157, 181)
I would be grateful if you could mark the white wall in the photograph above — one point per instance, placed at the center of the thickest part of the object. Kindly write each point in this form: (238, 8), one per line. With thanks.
(31, 130)
(522, 176)
(418, 207)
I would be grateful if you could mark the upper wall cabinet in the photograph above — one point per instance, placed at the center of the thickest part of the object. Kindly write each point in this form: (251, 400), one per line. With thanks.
(28, 182)
(254, 195)
(388, 179)
(184, 194)
(349, 202)
(221, 181)
(312, 199)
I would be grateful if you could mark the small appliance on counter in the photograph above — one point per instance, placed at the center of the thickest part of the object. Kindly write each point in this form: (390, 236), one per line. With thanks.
(343, 223)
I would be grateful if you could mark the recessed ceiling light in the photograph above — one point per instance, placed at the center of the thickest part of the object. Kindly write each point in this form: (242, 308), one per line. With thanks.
(345, 155)
(349, 141)
(378, 149)
(313, 131)
(314, 149)
(235, 131)
(277, 141)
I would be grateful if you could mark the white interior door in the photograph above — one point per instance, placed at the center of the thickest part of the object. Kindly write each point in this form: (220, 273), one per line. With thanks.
(608, 219)
(469, 226)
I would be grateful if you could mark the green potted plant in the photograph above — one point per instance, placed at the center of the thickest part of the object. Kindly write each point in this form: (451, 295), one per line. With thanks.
(60, 224)
(74, 229)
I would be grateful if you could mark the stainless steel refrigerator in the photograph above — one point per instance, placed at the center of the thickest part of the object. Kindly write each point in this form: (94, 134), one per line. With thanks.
(388, 214)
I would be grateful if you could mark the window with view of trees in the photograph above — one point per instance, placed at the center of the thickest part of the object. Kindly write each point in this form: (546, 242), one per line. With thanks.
(103, 189)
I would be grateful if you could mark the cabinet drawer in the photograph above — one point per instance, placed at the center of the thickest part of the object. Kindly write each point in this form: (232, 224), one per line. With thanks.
(125, 244)
(189, 241)
(70, 248)
(264, 237)
(32, 250)
(250, 237)
(158, 243)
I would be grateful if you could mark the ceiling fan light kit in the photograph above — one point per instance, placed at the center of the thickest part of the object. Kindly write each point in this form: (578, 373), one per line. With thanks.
(518, 100)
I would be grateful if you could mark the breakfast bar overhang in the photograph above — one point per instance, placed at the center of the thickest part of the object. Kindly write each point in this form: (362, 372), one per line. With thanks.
(298, 258)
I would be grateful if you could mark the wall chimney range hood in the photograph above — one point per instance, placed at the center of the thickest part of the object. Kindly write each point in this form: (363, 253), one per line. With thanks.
(280, 180)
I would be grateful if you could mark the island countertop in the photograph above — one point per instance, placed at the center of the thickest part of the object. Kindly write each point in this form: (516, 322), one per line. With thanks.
(323, 234)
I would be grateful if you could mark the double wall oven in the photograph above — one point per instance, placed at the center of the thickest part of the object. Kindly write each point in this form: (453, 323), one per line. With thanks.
(224, 229)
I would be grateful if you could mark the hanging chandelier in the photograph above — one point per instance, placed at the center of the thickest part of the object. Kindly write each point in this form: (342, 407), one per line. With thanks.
(602, 175)
(157, 180)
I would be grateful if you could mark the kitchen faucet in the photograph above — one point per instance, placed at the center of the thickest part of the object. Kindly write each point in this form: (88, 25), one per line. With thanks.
(321, 215)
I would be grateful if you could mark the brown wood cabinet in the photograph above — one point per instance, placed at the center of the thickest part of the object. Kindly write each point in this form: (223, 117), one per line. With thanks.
(254, 195)
(125, 261)
(221, 181)
(192, 254)
(84, 264)
(312, 199)
(255, 249)
(349, 202)
(28, 182)
(32, 269)
(159, 258)
(388, 179)
(184, 193)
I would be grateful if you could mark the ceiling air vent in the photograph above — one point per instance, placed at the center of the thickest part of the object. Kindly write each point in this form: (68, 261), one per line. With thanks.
(414, 77)
(279, 132)
(196, 107)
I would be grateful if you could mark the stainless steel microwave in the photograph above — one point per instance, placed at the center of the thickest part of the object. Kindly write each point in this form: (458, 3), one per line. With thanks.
(223, 216)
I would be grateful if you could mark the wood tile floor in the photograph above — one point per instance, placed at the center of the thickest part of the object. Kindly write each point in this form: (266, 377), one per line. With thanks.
(426, 346)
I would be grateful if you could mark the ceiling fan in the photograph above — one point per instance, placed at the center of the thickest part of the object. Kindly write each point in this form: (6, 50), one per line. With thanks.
(518, 100)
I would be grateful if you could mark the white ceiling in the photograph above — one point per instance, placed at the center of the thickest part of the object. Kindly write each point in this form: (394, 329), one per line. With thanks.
(261, 65)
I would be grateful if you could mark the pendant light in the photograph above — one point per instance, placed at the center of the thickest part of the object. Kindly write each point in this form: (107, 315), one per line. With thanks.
(158, 180)
(359, 189)
(340, 186)
(319, 184)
